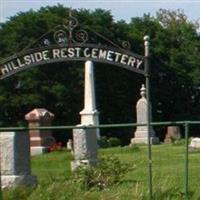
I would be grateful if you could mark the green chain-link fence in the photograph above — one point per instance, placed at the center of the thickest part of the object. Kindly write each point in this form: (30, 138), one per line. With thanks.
(180, 163)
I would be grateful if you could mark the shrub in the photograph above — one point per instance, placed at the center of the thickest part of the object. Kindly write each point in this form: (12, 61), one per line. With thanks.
(103, 142)
(114, 142)
(109, 142)
(178, 141)
(134, 148)
(107, 172)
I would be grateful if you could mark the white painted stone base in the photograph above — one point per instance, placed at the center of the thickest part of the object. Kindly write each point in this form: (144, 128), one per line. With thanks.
(142, 132)
(77, 163)
(141, 136)
(8, 181)
(90, 118)
(144, 140)
(195, 143)
(38, 150)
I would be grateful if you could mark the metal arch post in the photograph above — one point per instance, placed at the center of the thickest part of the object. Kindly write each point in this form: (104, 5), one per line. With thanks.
(1, 195)
(147, 80)
(186, 125)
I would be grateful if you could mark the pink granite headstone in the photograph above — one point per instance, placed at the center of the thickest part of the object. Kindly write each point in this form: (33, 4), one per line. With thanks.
(40, 140)
(173, 133)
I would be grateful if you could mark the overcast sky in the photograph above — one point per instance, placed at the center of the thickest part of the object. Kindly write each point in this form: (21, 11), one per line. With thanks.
(120, 9)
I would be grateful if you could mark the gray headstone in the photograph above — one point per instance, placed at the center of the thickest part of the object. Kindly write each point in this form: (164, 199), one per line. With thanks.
(141, 133)
(85, 147)
(15, 159)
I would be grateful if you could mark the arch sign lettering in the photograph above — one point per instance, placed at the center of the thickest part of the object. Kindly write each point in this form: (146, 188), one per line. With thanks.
(70, 42)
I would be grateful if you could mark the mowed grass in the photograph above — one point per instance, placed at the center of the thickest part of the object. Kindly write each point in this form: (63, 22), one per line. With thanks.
(55, 177)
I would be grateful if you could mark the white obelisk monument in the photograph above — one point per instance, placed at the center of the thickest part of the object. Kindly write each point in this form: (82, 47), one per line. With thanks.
(85, 139)
(89, 115)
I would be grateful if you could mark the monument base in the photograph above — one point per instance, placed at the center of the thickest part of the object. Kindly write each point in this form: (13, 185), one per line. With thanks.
(144, 140)
(168, 140)
(81, 163)
(85, 147)
(8, 181)
(38, 150)
(195, 143)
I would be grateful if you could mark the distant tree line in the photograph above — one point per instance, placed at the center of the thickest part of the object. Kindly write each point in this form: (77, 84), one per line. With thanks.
(175, 69)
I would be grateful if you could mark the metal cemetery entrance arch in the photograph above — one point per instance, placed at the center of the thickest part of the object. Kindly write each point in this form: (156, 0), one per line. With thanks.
(70, 42)
(60, 53)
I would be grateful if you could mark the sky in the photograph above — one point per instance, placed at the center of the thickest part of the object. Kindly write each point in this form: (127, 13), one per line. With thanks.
(120, 9)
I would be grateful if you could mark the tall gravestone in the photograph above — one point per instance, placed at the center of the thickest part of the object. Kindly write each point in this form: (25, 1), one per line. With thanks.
(15, 159)
(90, 115)
(85, 140)
(40, 140)
(141, 133)
(173, 133)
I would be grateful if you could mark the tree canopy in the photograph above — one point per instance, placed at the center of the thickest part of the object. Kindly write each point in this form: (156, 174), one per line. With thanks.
(175, 68)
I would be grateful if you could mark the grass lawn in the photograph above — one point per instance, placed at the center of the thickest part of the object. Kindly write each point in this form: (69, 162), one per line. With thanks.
(55, 178)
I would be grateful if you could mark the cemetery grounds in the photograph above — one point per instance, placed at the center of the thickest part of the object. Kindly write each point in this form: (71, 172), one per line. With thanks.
(56, 182)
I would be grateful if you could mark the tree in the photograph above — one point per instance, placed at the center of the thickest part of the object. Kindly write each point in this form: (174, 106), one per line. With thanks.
(175, 62)
(175, 68)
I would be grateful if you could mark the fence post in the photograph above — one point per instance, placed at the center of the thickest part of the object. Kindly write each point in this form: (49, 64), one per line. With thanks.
(186, 160)
(147, 78)
(1, 195)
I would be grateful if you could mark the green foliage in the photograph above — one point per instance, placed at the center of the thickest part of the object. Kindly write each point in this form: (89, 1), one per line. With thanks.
(175, 69)
(55, 181)
(114, 142)
(18, 193)
(134, 147)
(109, 171)
(178, 141)
(105, 142)
(174, 63)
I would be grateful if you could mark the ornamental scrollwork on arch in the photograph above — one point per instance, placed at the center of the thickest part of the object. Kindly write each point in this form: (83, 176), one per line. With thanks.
(69, 33)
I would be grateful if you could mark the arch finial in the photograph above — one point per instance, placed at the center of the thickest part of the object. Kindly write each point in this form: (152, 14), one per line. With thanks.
(143, 91)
